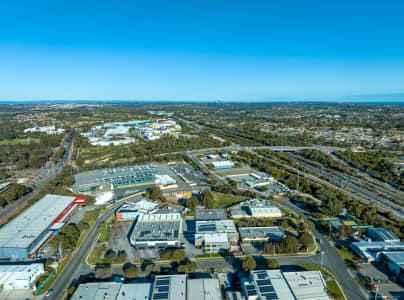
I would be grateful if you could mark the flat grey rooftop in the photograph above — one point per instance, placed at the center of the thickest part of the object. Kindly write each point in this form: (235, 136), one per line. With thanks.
(157, 227)
(274, 233)
(27, 226)
(210, 214)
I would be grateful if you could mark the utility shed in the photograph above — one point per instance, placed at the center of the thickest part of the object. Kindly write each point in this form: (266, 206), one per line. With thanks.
(204, 289)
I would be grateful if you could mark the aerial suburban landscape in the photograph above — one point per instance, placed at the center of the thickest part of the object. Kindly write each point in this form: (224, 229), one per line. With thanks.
(201, 150)
(201, 201)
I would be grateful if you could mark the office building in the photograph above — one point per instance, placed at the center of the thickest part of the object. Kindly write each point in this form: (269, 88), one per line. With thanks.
(214, 242)
(131, 210)
(23, 236)
(215, 226)
(19, 276)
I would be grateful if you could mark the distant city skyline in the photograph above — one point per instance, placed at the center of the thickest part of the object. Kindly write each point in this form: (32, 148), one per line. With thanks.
(264, 51)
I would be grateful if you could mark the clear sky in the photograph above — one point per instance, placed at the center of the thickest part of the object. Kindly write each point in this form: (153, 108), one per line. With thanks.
(201, 50)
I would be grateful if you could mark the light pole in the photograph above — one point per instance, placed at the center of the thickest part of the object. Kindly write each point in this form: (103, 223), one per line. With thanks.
(297, 167)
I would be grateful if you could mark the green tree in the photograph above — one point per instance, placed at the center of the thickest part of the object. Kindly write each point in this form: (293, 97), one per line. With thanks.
(131, 272)
(289, 244)
(207, 199)
(272, 264)
(103, 272)
(249, 263)
(192, 203)
(187, 268)
(306, 239)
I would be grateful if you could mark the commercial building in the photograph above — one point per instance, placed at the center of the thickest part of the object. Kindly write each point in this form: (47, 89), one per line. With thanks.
(210, 214)
(370, 251)
(214, 242)
(226, 164)
(157, 230)
(19, 276)
(274, 284)
(173, 287)
(215, 226)
(24, 235)
(203, 289)
(383, 235)
(131, 210)
(394, 261)
(264, 211)
(260, 235)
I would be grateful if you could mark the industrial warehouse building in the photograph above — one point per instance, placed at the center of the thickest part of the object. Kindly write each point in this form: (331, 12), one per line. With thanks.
(23, 236)
(260, 235)
(382, 235)
(210, 214)
(226, 164)
(207, 228)
(165, 287)
(370, 251)
(157, 230)
(394, 261)
(264, 211)
(19, 276)
(274, 284)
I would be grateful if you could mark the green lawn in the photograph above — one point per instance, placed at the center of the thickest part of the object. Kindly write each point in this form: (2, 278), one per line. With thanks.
(226, 200)
(345, 254)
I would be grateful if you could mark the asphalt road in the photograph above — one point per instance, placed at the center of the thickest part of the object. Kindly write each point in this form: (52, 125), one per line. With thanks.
(68, 274)
(331, 259)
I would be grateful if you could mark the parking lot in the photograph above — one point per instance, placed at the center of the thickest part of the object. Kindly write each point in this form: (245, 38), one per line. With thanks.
(382, 277)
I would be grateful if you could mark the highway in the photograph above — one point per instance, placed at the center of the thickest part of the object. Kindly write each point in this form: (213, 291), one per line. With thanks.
(396, 209)
(9, 210)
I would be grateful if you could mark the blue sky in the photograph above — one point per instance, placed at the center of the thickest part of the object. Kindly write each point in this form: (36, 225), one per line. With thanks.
(201, 50)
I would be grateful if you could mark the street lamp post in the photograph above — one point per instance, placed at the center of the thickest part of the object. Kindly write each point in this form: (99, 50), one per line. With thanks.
(322, 258)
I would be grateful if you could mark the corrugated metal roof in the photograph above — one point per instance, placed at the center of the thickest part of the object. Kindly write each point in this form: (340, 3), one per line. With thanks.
(27, 226)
